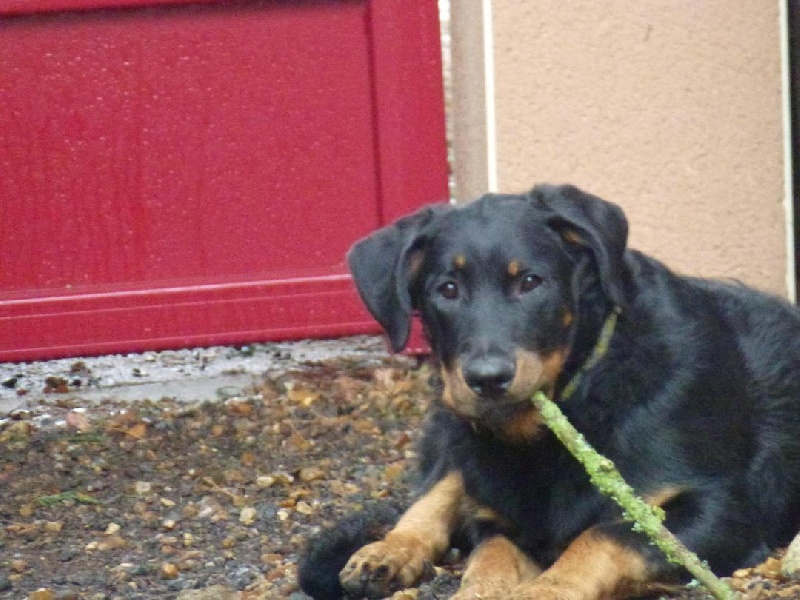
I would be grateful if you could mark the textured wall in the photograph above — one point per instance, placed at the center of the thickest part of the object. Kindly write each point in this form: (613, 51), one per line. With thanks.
(671, 109)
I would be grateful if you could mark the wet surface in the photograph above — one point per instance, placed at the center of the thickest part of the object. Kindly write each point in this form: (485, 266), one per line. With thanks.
(194, 375)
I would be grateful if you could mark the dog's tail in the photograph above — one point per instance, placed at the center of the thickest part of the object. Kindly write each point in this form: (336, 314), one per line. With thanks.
(327, 553)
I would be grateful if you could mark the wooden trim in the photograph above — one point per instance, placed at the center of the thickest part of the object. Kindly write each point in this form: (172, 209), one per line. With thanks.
(175, 317)
(20, 7)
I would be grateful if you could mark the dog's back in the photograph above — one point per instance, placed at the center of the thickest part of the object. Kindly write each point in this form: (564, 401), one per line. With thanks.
(767, 331)
(749, 343)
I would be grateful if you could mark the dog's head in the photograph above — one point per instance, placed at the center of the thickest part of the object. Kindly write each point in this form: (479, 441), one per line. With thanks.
(499, 284)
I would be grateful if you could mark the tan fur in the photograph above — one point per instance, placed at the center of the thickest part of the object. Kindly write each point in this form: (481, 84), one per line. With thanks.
(591, 568)
(535, 372)
(513, 268)
(420, 537)
(572, 236)
(415, 261)
(460, 261)
(471, 509)
(495, 567)
(663, 496)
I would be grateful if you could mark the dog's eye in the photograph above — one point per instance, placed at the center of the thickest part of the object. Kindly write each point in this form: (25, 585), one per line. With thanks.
(448, 290)
(528, 283)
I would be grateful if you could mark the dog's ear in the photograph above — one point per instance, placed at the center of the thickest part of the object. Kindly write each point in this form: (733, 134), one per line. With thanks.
(587, 220)
(384, 265)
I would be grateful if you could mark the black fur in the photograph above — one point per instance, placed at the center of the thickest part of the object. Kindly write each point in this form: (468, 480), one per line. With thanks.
(699, 390)
(318, 571)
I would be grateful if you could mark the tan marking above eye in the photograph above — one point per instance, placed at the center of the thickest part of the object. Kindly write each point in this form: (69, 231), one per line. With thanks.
(514, 268)
(573, 237)
(460, 261)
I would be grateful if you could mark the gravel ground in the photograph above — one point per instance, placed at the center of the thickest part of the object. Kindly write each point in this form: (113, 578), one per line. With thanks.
(196, 473)
(199, 474)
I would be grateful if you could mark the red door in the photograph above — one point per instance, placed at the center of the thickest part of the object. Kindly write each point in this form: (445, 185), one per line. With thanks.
(177, 173)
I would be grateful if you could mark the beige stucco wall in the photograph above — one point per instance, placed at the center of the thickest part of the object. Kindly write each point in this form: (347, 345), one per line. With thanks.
(672, 109)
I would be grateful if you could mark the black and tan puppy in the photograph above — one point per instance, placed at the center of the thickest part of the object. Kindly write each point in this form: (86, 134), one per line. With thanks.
(694, 393)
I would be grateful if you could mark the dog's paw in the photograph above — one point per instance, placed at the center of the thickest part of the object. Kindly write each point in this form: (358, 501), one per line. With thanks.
(381, 568)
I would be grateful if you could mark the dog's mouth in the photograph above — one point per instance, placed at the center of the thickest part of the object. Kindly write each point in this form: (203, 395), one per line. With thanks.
(514, 420)
(490, 409)
(500, 411)
(510, 409)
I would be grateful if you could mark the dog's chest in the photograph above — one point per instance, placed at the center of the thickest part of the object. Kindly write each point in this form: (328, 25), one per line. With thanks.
(543, 497)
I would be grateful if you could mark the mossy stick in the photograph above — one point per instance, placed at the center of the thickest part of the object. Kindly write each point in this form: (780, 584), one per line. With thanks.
(645, 518)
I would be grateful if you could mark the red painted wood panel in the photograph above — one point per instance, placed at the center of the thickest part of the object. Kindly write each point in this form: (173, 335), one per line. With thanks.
(13, 7)
(193, 174)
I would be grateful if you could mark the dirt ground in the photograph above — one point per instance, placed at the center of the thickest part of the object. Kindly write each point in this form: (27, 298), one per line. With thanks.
(210, 496)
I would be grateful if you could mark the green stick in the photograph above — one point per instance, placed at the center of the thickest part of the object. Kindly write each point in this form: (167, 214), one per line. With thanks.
(645, 518)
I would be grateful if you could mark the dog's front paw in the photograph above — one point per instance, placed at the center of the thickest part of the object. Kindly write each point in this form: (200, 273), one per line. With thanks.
(381, 568)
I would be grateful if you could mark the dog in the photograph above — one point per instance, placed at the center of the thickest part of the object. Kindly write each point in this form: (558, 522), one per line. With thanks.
(690, 386)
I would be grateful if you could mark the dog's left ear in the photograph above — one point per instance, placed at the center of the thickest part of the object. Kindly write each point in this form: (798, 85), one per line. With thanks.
(384, 265)
(587, 220)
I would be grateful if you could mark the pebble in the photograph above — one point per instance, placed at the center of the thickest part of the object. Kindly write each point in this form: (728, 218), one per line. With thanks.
(53, 526)
(409, 594)
(304, 508)
(18, 565)
(112, 528)
(790, 566)
(80, 579)
(169, 571)
(143, 487)
(309, 474)
(240, 577)
(67, 554)
(42, 594)
(265, 481)
(112, 542)
(248, 515)
(215, 592)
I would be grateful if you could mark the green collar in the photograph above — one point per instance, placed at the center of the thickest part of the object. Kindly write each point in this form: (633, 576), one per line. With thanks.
(598, 352)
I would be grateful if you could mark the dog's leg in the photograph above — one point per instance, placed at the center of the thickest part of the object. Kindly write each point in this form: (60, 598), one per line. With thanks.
(420, 537)
(611, 560)
(595, 565)
(495, 567)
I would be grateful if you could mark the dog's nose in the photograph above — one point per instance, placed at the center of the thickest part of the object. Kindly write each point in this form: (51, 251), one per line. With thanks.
(489, 376)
